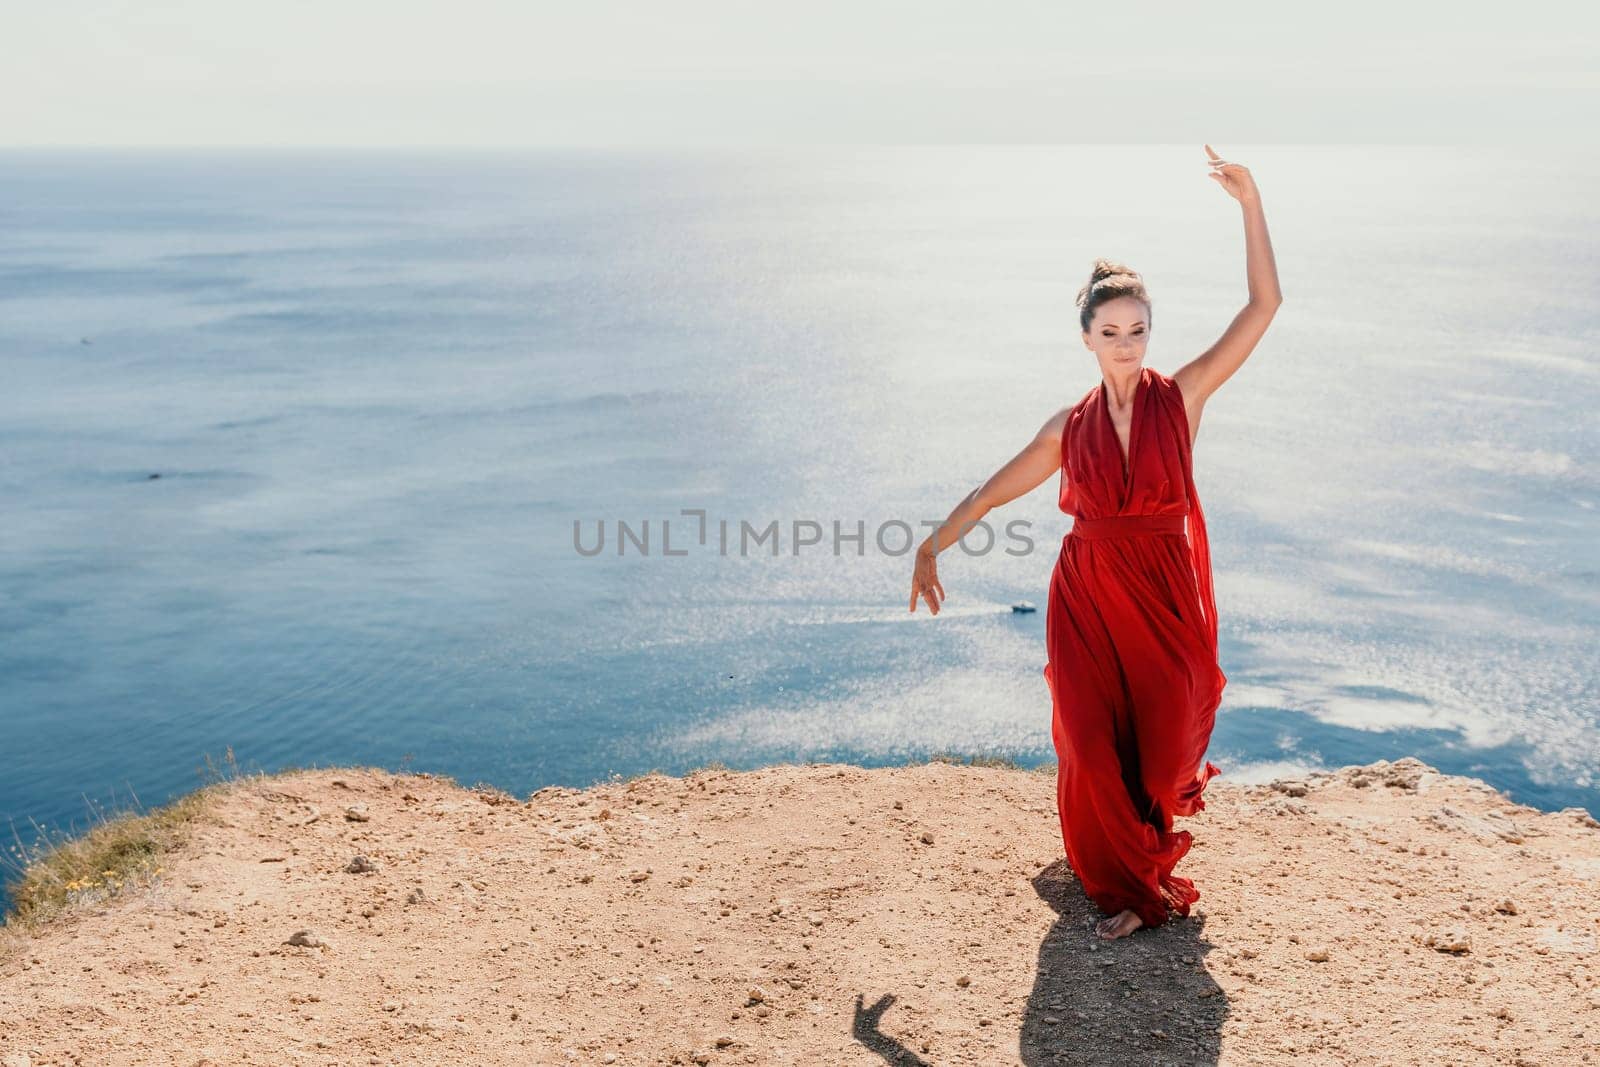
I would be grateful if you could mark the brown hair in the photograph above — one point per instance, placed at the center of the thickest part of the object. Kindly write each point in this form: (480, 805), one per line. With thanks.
(1108, 281)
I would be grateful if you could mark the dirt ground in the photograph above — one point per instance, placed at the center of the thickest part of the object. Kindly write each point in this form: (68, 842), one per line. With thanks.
(823, 914)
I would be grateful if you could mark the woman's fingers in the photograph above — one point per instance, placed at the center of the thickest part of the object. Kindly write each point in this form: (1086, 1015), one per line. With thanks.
(925, 584)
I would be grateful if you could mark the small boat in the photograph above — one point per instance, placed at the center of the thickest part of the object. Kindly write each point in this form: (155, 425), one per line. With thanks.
(1023, 606)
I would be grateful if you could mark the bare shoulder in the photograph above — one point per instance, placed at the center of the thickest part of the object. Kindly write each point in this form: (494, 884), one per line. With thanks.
(1056, 425)
(1191, 388)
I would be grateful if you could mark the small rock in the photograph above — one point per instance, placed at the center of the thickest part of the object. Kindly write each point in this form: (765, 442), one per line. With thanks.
(723, 1040)
(927, 837)
(1317, 955)
(360, 865)
(963, 981)
(306, 939)
(1583, 816)
(1506, 907)
(756, 995)
(416, 896)
(357, 813)
(1448, 941)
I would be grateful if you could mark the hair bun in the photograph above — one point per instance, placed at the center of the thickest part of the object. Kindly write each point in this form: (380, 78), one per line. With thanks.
(1107, 281)
(1105, 268)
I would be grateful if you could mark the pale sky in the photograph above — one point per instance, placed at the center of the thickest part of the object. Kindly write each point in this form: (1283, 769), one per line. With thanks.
(599, 72)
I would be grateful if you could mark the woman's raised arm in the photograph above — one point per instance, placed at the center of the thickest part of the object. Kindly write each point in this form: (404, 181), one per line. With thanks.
(1025, 472)
(1204, 374)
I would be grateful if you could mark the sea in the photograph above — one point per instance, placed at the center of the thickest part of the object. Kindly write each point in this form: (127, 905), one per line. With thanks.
(541, 467)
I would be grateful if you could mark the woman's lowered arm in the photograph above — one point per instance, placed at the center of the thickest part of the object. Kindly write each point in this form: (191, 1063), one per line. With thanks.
(1025, 472)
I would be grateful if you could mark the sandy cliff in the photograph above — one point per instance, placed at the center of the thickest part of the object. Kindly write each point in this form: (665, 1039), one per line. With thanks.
(821, 915)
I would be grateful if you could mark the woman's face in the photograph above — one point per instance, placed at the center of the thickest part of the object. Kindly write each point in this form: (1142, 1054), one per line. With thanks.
(1118, 334)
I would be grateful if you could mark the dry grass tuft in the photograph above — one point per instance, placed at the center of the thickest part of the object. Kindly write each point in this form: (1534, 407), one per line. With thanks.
(59, 873)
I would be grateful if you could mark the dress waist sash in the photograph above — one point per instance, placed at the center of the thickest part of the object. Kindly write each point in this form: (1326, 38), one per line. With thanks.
(1126, 526)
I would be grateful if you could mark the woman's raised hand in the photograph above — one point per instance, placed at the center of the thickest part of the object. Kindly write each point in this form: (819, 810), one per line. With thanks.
(925, 581)
(1234, 177)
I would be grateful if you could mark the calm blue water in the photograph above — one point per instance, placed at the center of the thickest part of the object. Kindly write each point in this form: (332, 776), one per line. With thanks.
(379, 389)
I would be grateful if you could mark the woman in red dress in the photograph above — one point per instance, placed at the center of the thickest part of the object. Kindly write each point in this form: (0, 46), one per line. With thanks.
(1131, 627)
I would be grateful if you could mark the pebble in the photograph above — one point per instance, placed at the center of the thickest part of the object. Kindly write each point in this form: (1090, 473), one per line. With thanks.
(1582, 815)
(1448, 941)
(357, 813)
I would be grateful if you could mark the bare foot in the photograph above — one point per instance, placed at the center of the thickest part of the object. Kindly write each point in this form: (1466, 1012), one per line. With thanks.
(1119, 925)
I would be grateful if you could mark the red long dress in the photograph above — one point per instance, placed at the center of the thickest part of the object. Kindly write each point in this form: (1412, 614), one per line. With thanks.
(1131, 634)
